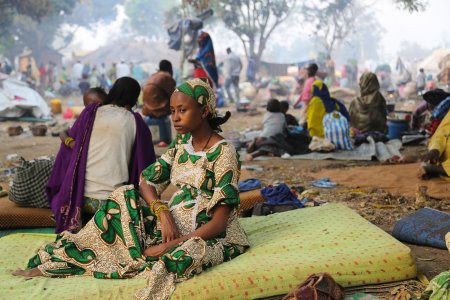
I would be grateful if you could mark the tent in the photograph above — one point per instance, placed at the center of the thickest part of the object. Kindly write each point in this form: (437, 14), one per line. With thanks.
(431, 63)
(16, 99)
(132, 50)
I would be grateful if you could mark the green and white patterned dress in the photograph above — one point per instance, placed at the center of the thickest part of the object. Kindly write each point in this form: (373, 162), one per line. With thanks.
(112, 243)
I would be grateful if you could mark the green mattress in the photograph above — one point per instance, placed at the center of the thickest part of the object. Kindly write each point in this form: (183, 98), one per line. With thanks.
(286, 248)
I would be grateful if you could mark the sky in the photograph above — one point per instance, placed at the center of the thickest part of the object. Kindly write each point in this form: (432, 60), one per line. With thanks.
(429, 28)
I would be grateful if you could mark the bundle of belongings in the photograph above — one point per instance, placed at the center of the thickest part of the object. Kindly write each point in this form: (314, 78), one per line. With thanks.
(271, 199)
(27, 205)
(28, 188)
(426, 227)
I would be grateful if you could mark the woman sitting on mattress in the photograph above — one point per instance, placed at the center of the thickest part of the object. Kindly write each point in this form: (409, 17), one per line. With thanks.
(164, 243)
(108, 146)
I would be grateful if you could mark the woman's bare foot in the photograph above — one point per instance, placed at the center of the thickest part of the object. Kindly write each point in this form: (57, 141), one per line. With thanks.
(28, 273)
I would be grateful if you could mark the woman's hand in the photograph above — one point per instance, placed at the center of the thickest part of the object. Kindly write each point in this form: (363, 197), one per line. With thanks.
(431, 156)
(169, 230)
(159, 250)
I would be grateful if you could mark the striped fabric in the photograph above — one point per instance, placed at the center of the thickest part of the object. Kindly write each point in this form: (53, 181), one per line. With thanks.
(441, 109)
(337, 130)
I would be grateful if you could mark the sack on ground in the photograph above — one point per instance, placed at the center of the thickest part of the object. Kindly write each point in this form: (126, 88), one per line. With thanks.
(319, 144)
(320, 286)
(337, 130)
(29, 183)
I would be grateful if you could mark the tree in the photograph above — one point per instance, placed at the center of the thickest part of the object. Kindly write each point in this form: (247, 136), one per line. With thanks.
(333, 21)
(253, 21)
(38, 35)
(411, 5)
(149, 18)
(412, 51)
(32, 10)
(29, 27)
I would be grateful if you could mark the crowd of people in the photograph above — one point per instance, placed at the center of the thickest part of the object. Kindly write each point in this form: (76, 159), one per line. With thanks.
(325, 124)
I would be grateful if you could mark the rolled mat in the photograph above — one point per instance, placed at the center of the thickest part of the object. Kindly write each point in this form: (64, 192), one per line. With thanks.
(250, 199)
(426, 227)
(13, 216)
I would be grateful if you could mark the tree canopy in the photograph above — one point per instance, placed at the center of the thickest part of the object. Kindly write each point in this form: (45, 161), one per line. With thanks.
(35, 24)
(254, 21)
(149, 18)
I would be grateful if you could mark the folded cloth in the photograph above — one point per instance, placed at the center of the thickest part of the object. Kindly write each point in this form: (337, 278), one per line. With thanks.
(324, 183)
(280, 194)
(438, 288)
(249, 185)
(426, 227)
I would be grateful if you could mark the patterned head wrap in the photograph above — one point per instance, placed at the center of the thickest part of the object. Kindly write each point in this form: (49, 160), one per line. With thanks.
(200, 90)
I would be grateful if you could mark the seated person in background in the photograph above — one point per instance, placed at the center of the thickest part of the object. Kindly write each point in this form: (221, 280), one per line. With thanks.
(436, 161)
(290, 119)
(274, 122)
(321, 104)
(368, 111)
(156, 96)
(429, 114)
(107, 146)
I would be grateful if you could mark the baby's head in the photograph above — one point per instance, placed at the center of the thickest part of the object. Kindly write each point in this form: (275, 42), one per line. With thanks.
(273, 105)
(94, 95)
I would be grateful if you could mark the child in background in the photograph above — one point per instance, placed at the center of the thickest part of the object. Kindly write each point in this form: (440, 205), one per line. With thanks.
(93, 95)
(274, 122)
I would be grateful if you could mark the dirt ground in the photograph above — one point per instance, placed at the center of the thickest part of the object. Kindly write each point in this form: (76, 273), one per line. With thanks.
(430, 261)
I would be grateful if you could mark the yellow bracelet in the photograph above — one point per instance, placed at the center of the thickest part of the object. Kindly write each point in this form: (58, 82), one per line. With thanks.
(68, 140)
(160, 209)
(152, 205)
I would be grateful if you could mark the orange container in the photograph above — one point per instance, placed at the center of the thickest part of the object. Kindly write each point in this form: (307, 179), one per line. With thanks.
(55, 105)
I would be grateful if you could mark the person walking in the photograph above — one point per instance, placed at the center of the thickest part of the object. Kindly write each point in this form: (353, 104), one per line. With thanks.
(232, 67)
(421, 80)
(122, 69)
